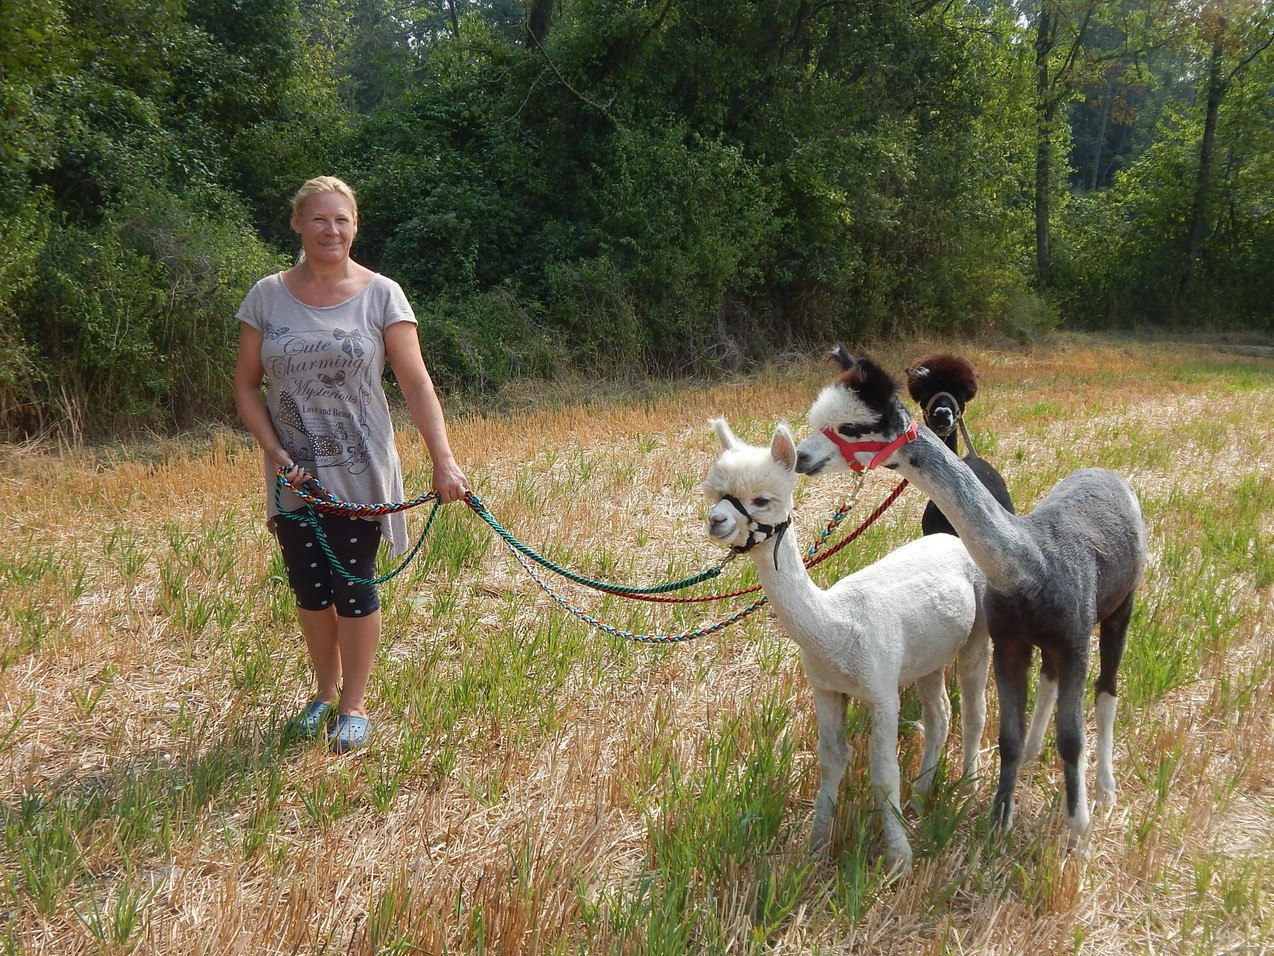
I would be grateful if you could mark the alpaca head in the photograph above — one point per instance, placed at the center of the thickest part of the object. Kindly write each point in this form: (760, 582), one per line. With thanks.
(860, 408)
(942, 384)
(749, 489)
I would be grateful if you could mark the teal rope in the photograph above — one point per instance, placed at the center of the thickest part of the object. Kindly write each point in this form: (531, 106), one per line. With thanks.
(480, 510)
(629, 635)
(330, 504)
(309, 514)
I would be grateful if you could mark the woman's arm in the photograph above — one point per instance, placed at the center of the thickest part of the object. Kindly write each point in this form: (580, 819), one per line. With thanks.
(249, 373)
(402, 348)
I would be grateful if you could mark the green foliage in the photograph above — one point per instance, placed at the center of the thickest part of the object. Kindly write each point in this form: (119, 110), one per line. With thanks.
(22, 237)
(1125, 252)
(130, 320)
(672, 186)
(683, 221)
(133, 135)
(484, 341)
(679, 196)
(1126, 249)
(31, 51)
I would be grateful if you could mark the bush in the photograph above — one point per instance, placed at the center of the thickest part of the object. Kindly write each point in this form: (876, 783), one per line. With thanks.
(482, 342)
(129, 324)
(22, 238)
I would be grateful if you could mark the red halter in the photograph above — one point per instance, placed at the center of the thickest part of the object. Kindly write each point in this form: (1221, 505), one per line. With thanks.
(850, 449)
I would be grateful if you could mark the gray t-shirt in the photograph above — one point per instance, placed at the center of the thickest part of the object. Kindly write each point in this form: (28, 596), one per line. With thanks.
(324, 367)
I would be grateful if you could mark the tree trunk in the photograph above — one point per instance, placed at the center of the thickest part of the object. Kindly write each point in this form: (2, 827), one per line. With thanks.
(1203, 180)
(538, 22)
(1044, 38)
(1099, 144)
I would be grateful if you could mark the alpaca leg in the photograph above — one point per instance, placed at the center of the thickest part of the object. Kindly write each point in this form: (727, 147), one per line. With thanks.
(1072, 741)
(1114, 634)
(1105, 748)
(936, 715)
(972, 665)
(1045, 701)
(833, 756)
(887, 783)
(1012, 660)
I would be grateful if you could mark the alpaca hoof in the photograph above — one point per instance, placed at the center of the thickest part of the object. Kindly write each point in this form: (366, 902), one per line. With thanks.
(1077, 845)
(820, 845)
(1105, 795)
(1078, 827)
(897, 862)
(972, 768)
(1002, 815)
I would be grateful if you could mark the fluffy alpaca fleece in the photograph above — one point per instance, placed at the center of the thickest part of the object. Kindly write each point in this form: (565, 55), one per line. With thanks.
(1071, 565)
(942, 385)
(898, 621)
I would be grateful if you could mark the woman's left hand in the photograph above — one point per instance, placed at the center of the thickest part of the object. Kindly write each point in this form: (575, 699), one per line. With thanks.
(450, 483)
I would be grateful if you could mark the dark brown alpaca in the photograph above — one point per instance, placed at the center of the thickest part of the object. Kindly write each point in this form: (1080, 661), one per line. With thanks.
(942, 385)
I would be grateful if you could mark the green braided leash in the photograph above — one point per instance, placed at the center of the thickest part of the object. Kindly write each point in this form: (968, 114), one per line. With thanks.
(630, 635)
(310, 513)
(328, 503)
(517, 546)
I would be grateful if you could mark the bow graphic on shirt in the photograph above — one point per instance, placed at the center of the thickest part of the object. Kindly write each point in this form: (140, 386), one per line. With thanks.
(351, 341)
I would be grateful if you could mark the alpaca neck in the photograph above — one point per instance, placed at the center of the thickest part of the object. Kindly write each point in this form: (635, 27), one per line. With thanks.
(994, 538)
(797, 600)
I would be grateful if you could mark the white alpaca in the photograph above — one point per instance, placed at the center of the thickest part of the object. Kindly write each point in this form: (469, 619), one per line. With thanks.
(898, 621)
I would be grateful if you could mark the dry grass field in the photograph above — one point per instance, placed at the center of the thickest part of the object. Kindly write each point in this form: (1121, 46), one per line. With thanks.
(536, 785)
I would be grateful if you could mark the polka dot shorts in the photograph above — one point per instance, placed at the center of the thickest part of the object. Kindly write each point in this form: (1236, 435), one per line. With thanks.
(316, 585)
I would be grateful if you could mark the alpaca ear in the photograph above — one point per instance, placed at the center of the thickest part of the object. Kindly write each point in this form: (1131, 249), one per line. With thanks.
(783, 448)
(916, 372)
(725, 437)
(840, 354)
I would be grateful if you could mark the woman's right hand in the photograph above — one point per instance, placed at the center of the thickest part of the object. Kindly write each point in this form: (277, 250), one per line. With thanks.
(296, 475)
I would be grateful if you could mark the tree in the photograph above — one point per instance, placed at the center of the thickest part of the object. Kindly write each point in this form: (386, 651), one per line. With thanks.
(1235, 35)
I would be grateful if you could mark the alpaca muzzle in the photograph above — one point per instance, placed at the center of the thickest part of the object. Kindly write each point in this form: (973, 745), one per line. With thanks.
(941, 414)
(757, 531)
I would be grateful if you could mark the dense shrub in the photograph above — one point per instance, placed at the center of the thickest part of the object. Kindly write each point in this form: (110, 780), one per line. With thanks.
(663, 187)
(482, 342)
(128, 324)
(22, 238)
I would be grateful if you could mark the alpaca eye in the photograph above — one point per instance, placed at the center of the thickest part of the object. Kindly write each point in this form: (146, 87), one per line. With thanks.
(760, 502)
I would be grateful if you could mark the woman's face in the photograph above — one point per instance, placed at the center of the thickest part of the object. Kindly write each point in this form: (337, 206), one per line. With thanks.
(327, 225)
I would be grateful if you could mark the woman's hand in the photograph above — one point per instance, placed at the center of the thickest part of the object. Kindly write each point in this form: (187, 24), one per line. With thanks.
(296, 475)
(450, 483)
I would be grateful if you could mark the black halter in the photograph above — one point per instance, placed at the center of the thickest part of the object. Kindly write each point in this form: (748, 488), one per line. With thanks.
(957, 423)
(758, 532)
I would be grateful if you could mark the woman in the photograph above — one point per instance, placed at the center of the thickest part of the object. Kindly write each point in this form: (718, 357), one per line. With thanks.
(320, 333)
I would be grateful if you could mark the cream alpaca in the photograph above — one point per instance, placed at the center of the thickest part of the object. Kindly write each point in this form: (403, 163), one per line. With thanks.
(898, 621)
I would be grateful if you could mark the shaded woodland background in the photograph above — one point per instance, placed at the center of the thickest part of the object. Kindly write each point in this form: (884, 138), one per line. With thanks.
(662, 186)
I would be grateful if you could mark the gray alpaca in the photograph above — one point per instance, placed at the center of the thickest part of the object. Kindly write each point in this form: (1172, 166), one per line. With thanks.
(1054, 575)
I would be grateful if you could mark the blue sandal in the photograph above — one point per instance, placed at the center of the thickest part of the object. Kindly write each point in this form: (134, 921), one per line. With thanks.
(350, 733)
(310, 723)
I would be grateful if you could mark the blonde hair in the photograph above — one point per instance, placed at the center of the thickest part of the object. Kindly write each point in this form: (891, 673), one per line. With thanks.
(323, 184)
